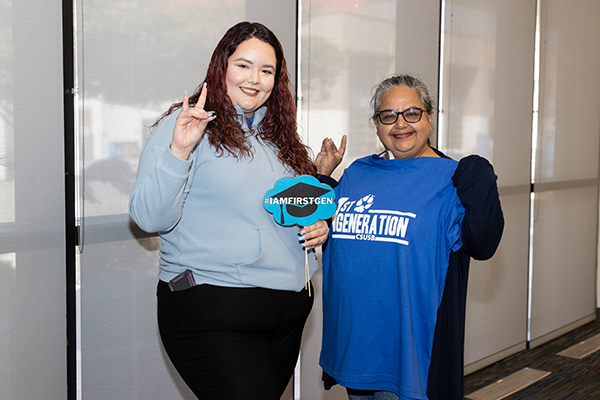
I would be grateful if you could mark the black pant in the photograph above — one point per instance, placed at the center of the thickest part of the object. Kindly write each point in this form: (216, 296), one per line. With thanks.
(233, 343)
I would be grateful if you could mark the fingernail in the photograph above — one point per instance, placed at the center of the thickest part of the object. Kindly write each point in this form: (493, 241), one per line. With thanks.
(204, 84)
(214, 116)
(185, 92)
(301, 233)
(301, 238)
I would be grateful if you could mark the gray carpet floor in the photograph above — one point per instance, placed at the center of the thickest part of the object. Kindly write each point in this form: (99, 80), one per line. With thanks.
(569, 379)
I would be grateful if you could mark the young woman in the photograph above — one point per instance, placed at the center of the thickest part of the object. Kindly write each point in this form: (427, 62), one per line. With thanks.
(232, 326)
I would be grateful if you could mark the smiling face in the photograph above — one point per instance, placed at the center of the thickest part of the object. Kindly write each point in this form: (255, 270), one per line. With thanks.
(403, 139)
(250, 76)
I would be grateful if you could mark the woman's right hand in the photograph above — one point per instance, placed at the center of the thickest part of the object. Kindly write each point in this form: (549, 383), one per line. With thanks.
(330, 156)
(190, 125)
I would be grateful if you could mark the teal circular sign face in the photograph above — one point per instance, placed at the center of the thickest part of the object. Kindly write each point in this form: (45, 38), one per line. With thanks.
(300, 201)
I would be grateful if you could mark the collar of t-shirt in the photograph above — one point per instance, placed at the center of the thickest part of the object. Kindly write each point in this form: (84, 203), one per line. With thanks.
(249, 121)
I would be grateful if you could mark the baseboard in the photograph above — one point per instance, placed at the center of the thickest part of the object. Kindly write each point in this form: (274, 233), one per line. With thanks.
(489, 360)
(561, 331)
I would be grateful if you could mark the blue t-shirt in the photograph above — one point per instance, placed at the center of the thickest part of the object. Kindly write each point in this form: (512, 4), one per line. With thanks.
(384, 270)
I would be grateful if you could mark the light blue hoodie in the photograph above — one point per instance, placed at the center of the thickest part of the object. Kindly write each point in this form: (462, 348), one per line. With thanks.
(208, 212)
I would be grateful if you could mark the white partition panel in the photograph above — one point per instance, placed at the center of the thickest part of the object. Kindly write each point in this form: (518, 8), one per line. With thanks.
(33, 360)
(566, 181)
(487, 89)
(135, 58)
(346, 49)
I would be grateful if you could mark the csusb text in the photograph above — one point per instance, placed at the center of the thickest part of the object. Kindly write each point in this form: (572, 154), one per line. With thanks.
(372, 225)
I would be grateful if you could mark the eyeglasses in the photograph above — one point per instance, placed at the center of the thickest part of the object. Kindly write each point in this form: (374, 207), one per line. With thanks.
(410, 115)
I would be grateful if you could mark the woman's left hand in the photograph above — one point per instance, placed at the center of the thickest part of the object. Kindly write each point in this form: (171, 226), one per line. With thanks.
(330, 156)
(315, 234)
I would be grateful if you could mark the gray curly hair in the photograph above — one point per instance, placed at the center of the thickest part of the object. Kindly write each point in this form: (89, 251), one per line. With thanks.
(406, 81)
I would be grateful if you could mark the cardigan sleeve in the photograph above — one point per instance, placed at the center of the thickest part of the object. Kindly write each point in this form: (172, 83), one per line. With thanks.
(327, 180)
(483, 224)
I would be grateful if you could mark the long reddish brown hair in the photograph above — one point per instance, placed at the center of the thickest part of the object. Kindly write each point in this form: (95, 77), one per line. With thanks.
(278, 127)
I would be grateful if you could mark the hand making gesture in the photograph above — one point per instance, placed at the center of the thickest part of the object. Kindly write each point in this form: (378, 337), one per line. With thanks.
(330, 156)
(190, 125)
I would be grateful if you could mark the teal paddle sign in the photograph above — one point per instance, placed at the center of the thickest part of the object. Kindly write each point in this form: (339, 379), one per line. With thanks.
(300, 201)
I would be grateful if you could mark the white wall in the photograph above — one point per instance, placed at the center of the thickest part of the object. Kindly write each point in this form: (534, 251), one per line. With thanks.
(566, 182)
(487, 101)
(32, 208)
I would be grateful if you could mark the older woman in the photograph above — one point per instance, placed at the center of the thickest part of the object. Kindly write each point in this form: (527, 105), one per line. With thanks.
(396, 265)
(232, 302)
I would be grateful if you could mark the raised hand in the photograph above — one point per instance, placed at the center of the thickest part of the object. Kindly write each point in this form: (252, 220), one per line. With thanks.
(190, 125)
(330, 156)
